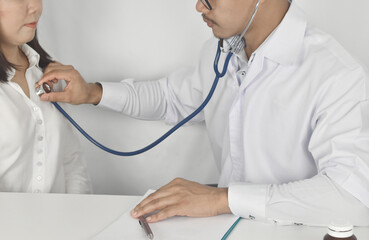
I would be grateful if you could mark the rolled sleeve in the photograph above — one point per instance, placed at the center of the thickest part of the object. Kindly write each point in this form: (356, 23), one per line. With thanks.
(247, 200)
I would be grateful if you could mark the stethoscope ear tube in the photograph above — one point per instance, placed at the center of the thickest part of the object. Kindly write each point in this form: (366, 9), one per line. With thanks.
(237, 43)
(218, 75)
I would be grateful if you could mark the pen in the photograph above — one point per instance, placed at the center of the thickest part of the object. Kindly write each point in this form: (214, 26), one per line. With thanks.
(231, 229)
(146, 227)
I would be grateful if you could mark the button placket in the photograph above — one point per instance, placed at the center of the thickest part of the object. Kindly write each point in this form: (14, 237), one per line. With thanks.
(241, 76)
(254, 68)
(235, 136)
(39, 158)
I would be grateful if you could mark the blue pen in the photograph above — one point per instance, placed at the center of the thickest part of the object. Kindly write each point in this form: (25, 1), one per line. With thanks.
(231, 229)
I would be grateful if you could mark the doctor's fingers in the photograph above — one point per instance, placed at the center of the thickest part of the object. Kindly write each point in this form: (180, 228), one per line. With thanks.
(73, 95)
(178, 194)
(153, 198)
(56, 97)
(174, 186)
(57, 66)
(162, 208)
(61, 73)
(167, 212)
(76, 91)
(183, 203)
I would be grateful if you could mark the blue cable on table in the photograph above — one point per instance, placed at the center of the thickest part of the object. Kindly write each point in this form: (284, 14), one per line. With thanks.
(181, 123)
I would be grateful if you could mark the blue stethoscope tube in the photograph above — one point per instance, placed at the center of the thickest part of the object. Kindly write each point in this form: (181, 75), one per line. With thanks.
(218, 75)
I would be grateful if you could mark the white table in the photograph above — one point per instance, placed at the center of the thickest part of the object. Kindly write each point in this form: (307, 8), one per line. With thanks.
(25, 216)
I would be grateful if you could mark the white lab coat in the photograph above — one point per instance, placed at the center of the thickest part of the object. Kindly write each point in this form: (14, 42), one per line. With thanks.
(289, 127)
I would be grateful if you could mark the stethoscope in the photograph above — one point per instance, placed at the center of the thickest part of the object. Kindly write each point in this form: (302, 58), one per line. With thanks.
(232, 45)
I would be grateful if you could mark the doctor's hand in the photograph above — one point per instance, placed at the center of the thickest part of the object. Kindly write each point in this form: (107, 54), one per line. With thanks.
(183, 198)
(77, 90)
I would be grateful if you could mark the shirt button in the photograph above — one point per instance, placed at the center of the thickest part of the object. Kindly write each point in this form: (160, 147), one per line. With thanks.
(39, 151)
(35, 109)
(39, 178)
(243, 73)
(37, 191)
(40, 138)
(39, 164)
(39, 121)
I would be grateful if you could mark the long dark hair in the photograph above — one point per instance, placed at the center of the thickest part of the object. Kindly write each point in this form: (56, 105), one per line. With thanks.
(5, 66)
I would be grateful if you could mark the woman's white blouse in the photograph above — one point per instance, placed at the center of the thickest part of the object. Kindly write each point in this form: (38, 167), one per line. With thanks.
(39, 152)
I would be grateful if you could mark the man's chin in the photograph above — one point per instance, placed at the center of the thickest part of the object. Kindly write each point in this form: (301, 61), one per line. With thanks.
(220, 36)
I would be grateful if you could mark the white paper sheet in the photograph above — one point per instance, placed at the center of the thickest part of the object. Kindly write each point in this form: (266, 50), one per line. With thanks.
(176, 228)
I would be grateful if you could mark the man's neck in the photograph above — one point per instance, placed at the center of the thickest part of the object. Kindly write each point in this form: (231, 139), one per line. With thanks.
(268, 17)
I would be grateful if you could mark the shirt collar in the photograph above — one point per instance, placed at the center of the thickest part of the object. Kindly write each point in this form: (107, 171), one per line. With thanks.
(11, 73)
(285, 45)
(31, 54)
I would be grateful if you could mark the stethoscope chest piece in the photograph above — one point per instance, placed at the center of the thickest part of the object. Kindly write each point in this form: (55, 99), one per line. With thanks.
(44, 88)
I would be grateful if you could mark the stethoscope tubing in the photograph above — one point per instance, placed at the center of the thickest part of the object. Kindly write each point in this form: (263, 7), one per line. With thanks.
(218, 75)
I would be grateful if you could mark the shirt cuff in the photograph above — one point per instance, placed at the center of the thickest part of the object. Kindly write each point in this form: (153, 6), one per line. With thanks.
(247, 200)
(114, 95)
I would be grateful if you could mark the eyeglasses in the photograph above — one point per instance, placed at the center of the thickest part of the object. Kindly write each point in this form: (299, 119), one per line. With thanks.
(206, 4)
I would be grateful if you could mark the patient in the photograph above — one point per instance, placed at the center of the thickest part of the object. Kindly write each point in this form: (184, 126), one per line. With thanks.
(38, 149)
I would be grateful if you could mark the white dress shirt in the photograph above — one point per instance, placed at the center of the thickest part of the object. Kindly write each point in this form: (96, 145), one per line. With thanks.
(39, 152)
(289, 126)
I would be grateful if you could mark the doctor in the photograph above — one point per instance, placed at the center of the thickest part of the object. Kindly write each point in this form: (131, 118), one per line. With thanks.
(288, 123)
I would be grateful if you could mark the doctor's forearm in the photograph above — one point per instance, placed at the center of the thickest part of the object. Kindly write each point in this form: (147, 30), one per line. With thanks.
(316, 201)
(143, 100)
